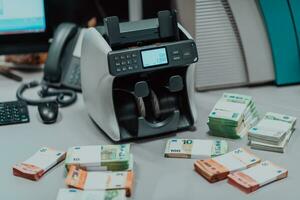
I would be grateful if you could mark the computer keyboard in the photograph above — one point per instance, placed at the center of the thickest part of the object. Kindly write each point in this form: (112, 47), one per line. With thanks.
(13, 112)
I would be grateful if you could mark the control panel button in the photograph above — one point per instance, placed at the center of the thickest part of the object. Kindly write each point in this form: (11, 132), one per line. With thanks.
(122, 57)
(118, 64)
(175, 52)
(187, 55)
(117, 57)
(176, 58)
(134, 55)
(123, 62)
(128, 56)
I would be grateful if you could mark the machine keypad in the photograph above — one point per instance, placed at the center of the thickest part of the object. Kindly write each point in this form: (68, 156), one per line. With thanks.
(126, 62)
(129, 61)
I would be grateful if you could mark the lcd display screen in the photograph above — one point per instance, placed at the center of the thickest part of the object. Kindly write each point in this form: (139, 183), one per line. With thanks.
(154, 57)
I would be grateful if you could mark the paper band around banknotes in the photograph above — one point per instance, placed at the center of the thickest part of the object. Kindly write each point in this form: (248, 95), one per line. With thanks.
(216, 169)
(272, 133)
(251, 179)
(195, 148)
(38, 164)
(232, 116)
(211, 170)
(100, 157)
(74, 194)
(78, 178)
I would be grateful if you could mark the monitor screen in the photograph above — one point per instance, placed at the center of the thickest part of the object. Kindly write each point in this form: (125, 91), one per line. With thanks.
(22, 16)
(154, 57)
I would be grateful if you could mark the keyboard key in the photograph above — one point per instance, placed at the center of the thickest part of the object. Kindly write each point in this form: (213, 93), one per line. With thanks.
(13, 113)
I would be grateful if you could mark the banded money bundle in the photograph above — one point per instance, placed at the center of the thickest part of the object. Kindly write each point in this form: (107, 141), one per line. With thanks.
(99, 180)
(216, 169)
(232, 116)
(251, 179)
(38, 164)
(195, 148)
(272, 133)
(74, 194)
(100, 157)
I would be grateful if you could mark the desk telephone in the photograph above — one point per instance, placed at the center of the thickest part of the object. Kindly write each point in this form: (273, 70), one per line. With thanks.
(62, 68)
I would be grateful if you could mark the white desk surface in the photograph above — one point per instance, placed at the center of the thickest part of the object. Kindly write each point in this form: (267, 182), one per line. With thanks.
(157, 178)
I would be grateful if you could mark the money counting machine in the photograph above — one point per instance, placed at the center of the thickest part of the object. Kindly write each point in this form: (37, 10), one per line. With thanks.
(138, 77)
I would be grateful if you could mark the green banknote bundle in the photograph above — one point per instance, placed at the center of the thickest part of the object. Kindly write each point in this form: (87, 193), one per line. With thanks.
(100, 157)
(232, 116)
(74, 194)
(195, 148)
(272, 133)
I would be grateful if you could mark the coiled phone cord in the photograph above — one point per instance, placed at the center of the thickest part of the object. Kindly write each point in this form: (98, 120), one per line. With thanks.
(45, 93)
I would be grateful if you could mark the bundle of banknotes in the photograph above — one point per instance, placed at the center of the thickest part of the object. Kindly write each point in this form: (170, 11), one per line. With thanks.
(100, 172)
(251, 179)
(100, 180)
(232, 116)
(74, 194)
(38, 164)
(100, 167)
(272, 133)
(195, 148)
(100, 157)
(218, 168)
(242, 168)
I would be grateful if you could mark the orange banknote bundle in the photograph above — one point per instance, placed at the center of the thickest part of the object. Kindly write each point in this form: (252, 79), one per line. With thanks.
(251, 179)
(37, 165)
(218, 168)
(99, 180)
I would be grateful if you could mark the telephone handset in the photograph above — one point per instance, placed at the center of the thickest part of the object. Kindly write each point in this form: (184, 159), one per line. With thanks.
(62, 68)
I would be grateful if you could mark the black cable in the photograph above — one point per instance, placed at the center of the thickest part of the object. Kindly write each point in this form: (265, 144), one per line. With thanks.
(45, 93)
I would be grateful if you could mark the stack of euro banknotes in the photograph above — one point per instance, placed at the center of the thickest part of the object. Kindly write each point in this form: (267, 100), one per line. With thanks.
(243, 169)
(37, 165)
(74, 194)
(100, 167)
(272, 133)
(232, 116)
(195, 148)
(94, 172)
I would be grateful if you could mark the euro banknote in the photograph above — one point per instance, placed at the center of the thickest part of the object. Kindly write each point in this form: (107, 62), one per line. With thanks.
(252, 179)
(232, 116)
(272, 133)
(99, 157)
(38, 164)
(74, 194)
(195, 148)
(99, 180)
(216, 169)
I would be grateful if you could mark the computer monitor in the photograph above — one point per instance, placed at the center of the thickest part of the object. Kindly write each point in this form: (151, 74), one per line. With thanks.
(23, 26)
